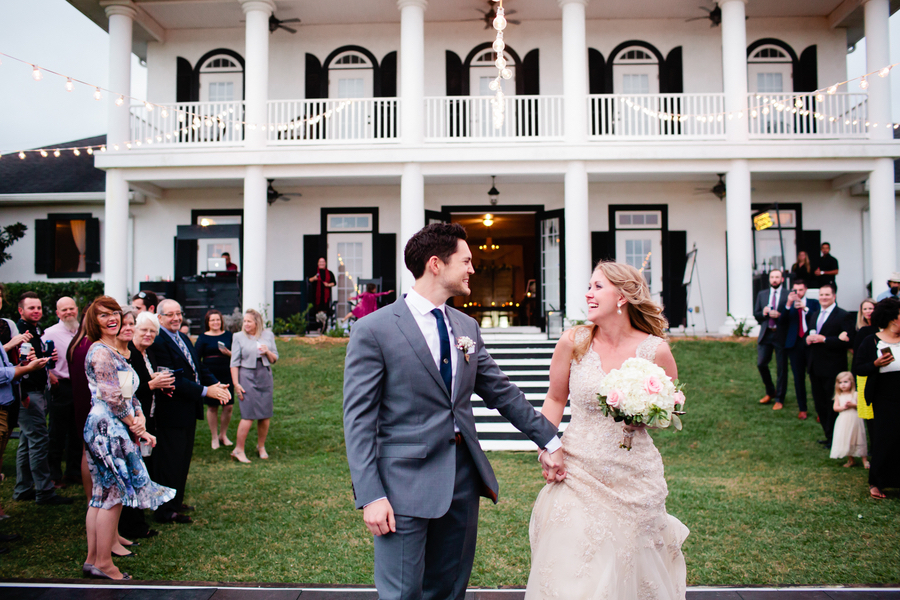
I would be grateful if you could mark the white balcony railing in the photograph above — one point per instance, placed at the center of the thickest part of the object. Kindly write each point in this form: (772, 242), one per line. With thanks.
(796, 116)
(336, 121)
(469, 118)
(188, 123)
(664, 116)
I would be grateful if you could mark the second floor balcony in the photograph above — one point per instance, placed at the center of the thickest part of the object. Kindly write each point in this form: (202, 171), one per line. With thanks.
(454, 120)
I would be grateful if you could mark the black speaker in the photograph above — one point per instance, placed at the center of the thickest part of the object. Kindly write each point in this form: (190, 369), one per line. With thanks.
(290, 298)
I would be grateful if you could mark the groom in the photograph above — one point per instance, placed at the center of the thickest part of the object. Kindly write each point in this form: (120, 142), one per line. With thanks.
(414, 456)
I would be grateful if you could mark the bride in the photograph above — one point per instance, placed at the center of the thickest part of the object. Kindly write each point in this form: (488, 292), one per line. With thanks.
(600, 530)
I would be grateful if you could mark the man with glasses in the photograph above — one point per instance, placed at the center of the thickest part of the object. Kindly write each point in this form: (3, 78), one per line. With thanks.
(177, 415)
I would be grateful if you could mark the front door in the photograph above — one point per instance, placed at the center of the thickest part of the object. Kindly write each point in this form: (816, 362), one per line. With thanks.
(350, 259)
(551, 263)
(642, 249)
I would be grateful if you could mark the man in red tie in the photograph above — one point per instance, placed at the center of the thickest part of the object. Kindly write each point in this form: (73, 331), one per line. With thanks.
(795, 341)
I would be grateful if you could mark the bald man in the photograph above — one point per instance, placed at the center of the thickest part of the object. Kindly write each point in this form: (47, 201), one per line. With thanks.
(65, 439)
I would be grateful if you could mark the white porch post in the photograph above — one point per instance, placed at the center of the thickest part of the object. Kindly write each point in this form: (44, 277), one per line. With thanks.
(254, 245)
(578, 239)
(256, 35)
(740, 244)
(882, 203)
(734, 67)
(412, 215)
(115, 214)
(575, 72)
(412, 71)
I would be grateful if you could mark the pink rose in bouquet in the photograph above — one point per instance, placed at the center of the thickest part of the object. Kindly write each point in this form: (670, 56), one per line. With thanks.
(652, 385)
(614, 399)
(679, 398)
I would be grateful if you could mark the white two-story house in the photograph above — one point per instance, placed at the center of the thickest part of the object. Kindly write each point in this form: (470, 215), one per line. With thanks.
(292, 130)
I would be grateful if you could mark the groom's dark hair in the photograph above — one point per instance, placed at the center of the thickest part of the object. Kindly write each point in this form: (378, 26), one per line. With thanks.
(437, 239)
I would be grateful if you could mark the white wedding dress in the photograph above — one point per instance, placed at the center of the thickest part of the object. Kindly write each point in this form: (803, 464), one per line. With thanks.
(603, 532)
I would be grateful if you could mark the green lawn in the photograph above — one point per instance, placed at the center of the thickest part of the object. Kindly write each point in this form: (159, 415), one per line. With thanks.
(764, 503)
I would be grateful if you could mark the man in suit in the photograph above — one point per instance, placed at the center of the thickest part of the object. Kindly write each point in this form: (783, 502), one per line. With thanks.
(828, 341)
(794, 320)
(770, 305)
(414, 456)
(177, 415)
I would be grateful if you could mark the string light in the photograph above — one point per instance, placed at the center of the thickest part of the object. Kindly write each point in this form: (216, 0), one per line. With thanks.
(69, 85)
(57, 153)
(36, 74)
(863, 83)
(120, 100)
(884, 72)
(97, 94)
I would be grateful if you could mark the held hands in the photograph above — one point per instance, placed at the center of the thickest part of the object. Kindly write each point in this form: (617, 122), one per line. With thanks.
(379, 517)
(553, 466)
(815, 338)
(219, 391)
(149, 438)
(774, 314)
(138, 425)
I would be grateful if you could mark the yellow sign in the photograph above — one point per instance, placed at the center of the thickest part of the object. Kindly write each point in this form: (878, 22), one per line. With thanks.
(763, 221)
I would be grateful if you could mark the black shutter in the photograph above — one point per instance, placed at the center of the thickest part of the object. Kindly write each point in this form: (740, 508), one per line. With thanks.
(44, 254)
(806, 77)
(92, 245)
(185, 258)
(674, 262)
(811, 242)
(311, 254)
(531, 74)
(596, 73)
(602, 246)
(384, 264)
(671, 78)
(183, 78)
(389, 75)
(454, 74)
(314, 77)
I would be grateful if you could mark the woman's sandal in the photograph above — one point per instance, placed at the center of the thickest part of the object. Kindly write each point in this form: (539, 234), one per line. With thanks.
(262, 453)
(239, 456)
(877, 494)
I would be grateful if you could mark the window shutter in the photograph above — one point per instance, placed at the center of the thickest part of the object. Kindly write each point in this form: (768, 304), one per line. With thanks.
(454, 74)
(43, 246)
(184, 76)
(314, 75)
(674, 262)
(806, 76)
(671, 80)
(92, 247)
(597, 73)
(388, 76)
(530, 74)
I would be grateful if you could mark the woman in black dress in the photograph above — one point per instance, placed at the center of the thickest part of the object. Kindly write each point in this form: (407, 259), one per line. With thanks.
(802, 270)
(214, 349)
(876, 360)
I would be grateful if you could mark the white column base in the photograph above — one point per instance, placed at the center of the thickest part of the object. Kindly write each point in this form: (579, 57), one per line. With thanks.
(751, 327)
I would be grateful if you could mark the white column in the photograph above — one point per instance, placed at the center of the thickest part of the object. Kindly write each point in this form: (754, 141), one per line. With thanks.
(734, 67)
(740, 244)
(412, 215)
(878, 55)
(574, 70)
(254, 246)
(882, 221)
(412, 71)
(256, 72)
(578, 239)
(115, 214)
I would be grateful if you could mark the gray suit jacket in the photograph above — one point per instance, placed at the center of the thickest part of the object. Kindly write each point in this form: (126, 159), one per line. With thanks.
(398, 415)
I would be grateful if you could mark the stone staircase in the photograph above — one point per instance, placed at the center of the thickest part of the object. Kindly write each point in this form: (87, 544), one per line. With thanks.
(524, 354)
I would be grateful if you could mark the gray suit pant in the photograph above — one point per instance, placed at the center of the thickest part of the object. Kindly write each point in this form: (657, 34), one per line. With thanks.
(32, 464)
(431, 559)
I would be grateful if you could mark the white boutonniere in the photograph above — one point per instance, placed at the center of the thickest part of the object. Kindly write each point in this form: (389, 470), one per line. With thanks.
(466, 344)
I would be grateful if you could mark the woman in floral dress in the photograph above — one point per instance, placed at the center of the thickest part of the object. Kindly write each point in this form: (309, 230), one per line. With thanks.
(118, 474)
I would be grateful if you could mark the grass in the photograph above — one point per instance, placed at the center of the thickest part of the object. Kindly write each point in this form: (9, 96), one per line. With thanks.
(765, 504)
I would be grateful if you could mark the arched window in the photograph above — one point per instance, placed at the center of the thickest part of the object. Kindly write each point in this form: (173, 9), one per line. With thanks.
(770, 71)
(635, 71)
(350, 75)
(221, 79)
(483, 70)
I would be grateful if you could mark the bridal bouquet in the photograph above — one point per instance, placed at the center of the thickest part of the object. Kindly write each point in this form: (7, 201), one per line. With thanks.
(640, 392)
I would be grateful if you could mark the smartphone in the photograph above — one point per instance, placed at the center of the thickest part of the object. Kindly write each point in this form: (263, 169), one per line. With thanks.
(221, 344)
(887, 351)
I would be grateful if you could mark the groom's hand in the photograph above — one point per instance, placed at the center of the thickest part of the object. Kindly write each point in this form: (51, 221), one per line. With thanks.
(553, 466)
(379, 517)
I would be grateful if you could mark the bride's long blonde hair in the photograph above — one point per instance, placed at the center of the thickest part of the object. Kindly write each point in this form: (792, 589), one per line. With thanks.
(645, 314)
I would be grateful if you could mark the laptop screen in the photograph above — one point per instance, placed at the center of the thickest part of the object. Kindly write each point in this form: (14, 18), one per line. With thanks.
(215, 264)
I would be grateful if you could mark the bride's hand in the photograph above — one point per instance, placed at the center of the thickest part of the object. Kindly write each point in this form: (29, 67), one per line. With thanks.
(553, 466)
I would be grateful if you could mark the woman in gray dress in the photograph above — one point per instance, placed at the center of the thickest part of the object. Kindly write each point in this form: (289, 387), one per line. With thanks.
(253, 353)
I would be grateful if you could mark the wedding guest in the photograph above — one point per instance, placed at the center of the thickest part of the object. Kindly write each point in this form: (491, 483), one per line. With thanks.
(770, 305)
(177, 415)
(320, 292)
(145, 300)
(828, 341)
(802, 269)
(10, 339)
(32, 462)
(214, 349)
(828, 267)
(253, 353)
(81, 394)
(118, 473)
(65, 438)
(893, 290)
(864, 329)
(367, 302)
(849, 432)
(795, 340)
(876, 359)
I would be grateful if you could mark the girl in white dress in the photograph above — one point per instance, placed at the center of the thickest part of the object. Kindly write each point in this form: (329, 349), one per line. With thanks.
(602, 532)
(849, 437)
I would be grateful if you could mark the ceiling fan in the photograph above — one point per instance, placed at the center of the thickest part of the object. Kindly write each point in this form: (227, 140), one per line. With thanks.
(717, 190)
(491, 14)
(713, 14)
(273, 195)
(276, 24)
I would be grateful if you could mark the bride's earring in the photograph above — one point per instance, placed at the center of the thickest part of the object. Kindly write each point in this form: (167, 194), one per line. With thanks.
(619, 310)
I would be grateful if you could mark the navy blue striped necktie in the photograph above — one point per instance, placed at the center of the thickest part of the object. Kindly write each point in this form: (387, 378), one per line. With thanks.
(445, 366)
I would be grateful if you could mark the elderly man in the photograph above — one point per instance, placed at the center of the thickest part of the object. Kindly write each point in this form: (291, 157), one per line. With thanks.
(65, 439)
(177, 415)
(32, 465)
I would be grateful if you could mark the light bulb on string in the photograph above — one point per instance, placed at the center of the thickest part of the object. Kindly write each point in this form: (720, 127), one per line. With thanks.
(22, 155)
(832, 90)
(70, 85)
(57, 153)
(148, 106)
(884, 72)
(120, 100)
(36, 73)
(97, 94)
(76, 152)
(499, 45)
(506, 74)
(500, 20)
(500, 63)
(44, 153)
(863, 83)
(90, 150)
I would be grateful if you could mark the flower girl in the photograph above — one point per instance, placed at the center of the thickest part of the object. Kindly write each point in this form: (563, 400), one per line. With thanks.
(849, 437)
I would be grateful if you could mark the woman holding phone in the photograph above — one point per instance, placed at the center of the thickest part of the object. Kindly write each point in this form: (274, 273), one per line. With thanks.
(213, 348)
(876, 360)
